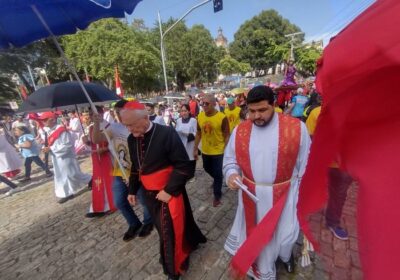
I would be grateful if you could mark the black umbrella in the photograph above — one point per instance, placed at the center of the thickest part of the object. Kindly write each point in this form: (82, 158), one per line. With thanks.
(6, 111)
(66, 95)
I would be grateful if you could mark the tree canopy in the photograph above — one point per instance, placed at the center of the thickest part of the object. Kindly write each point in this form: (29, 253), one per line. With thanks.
(257, 35)
(108, 43)
(229, 66)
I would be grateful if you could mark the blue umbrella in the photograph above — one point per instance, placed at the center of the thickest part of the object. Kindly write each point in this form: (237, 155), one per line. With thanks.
(20, 24)
(24, 21)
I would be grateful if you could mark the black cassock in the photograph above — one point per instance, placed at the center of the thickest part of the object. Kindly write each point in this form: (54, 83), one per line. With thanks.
(161, 154)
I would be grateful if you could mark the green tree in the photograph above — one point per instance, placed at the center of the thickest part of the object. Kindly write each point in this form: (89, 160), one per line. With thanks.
(229, 66)
(172, 44)
(110, 42)
(306, 60)
(256, 35)
(200, 54)
(191, 54)
(278, 52)
(42, 54)
(7, 89)
(244, 67)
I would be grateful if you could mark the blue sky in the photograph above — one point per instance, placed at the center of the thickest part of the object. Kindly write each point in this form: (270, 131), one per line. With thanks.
(319, 19)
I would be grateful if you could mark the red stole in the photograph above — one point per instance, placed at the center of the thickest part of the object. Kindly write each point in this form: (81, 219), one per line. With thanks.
(55, 134)
(101, 178)
(259, 235)
(157, 181)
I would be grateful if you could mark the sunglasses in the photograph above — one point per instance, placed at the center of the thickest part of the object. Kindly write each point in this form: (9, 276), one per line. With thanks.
(204, 104)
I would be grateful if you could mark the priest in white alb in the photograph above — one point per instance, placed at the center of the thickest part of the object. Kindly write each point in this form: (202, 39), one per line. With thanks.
(267, 154)
(68, 177)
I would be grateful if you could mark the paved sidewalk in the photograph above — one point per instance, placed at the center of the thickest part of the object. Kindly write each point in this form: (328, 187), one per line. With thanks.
(40, 239)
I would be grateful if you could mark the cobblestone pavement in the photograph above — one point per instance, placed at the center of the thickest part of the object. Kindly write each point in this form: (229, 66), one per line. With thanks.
(40, 239)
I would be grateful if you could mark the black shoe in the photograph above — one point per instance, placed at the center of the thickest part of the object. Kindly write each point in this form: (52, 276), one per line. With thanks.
(131, 233)
(95, 214)
(65, 199)
(145, 230)
(173, 277)
(289, 266)
(49, 174)
(89, 185)
(26, 179)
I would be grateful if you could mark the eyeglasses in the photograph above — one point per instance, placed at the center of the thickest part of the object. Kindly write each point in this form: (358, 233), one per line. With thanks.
(204, 104)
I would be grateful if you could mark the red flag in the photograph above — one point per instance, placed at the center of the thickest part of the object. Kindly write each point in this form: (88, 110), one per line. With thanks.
(360, 124)
(23, 92)
(118, 86)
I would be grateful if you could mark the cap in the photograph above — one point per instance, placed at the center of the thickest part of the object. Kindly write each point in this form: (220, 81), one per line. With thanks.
(47, 115)
(230, 100)
(134, 105)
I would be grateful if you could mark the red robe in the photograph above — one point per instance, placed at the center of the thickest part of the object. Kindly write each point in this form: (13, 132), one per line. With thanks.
(101, 179)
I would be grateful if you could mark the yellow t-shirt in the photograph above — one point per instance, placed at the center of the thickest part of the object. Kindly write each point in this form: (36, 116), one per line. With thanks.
(233, 117)
(278, 110)
(311, 124)
(312, 120)
(212, 138)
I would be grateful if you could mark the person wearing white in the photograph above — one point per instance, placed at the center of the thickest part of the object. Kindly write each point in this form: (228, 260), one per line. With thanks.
(20, 121)
(153, 116)
(68, 178)
(186, 126)
(10, 160)
(108, 116)
(75, 128)
(263, 153)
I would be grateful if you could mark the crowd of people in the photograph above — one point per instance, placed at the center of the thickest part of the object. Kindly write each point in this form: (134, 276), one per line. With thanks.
(148, 152)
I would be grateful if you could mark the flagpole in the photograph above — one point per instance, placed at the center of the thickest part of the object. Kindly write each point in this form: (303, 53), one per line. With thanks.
(73, 71)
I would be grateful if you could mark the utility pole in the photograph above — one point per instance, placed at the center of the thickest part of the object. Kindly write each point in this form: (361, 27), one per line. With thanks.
(292, 40)
(31, 76)
(217, 7)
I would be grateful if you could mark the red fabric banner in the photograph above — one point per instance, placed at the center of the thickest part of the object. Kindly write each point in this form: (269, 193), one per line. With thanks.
(360, 125)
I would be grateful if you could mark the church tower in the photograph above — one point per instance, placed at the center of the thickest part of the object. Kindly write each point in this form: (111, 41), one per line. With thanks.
(221, 40)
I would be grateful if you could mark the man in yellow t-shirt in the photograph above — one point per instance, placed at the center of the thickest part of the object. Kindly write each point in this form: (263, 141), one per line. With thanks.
(232, 113)
(213, 132)
(338, 184)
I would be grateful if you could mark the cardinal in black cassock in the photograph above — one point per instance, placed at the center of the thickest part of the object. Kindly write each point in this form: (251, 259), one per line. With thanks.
(161, 166)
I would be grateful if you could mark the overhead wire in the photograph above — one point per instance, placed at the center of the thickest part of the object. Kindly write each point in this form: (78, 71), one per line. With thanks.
(346, 14)
(338, 26)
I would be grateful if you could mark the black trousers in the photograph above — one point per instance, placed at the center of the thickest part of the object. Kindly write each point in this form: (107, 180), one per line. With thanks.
(212, 164)
(38, 161)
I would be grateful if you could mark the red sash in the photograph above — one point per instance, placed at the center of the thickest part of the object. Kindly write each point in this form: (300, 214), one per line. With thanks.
(259, 235)
(56, 133)
(157, 181)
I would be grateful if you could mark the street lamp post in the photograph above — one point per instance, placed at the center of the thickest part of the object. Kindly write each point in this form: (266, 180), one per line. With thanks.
(162, 36)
